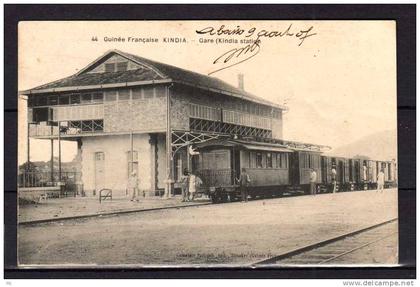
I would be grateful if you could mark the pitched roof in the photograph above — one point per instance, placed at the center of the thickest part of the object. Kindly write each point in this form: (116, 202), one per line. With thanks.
(156, 72)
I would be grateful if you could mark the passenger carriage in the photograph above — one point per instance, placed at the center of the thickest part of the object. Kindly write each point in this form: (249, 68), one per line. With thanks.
(274, 169)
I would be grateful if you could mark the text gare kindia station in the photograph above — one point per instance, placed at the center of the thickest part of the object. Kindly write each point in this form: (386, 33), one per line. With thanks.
(226, 41)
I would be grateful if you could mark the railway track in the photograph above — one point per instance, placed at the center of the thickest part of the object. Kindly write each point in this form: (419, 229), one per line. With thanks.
(327, 251)
(111, 213)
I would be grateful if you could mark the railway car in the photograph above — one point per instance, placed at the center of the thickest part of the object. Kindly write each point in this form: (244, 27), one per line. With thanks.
(276, 169)
(273, 169)
(345, 170)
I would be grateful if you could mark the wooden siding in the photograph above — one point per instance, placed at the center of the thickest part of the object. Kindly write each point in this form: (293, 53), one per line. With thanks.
(194, 103)
(141, 115)
(79, 112)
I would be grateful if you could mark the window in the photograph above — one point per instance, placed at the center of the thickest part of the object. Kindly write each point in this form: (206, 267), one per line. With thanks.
(284, 160)
(87, 126)
(98, 97)
(123, 95)
(122, 66)
(132, 162)
(31, 101)
(109, 67)
(136, 93)
(110, 96)
(41, 100)
(64, 100)
(52, 100)
(86, 98)
(160, 91)
(259, 160)
(98, 125)
(148, 92)
(269, 161)
(75, 99)
(99, 156)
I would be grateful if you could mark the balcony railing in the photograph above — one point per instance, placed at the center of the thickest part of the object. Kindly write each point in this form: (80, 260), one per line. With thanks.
(42, 129)
(231, 117)
(245, 119)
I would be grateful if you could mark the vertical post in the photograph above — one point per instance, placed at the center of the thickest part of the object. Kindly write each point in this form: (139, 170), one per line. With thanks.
(59, 152)
(168, 146)
(28, 149)
(188, 157)
(131, 152)
(52, 158)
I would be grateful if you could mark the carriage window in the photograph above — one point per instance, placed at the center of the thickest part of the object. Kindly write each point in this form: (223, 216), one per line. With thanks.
(252, 160)
(269, 161)
(259, 160)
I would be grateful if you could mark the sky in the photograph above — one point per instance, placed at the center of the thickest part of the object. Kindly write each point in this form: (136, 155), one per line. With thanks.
(339, 85)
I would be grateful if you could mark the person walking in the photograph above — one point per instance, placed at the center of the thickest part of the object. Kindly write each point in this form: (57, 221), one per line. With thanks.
(312, 182)
(244, 181)
(133, 185)
(381, 181)
(184, 185)
(334, 179)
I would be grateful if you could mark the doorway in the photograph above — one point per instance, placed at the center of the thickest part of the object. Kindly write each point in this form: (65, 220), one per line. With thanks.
(99, 171)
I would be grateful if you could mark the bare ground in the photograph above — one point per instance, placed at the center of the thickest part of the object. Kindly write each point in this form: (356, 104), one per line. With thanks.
(235, 233)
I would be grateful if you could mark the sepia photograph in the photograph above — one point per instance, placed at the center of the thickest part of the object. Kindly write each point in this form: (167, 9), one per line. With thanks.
(207, 144)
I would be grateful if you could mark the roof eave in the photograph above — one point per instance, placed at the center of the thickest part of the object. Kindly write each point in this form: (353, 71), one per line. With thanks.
(93, 87)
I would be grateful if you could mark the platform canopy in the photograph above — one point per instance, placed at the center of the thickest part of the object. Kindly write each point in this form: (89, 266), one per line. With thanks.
(219, 143)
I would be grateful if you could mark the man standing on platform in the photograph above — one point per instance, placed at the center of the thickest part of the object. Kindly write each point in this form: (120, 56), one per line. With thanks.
(381, 181)
(334, 179)
(184, 185)
(244, 181)
(132, 186)
(312, 181)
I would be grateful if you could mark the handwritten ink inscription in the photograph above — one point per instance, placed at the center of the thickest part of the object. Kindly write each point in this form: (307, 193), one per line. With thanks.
(239, 55)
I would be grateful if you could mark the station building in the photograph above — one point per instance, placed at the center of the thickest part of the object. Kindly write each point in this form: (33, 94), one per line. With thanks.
(129, 113)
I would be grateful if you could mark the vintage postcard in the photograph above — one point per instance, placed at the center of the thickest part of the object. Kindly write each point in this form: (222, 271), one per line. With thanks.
(207, 143)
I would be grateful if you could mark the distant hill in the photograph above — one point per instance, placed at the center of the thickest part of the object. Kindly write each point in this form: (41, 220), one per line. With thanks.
(380, 146)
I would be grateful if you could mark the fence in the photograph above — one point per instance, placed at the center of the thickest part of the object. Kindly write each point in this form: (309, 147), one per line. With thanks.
(70, 182)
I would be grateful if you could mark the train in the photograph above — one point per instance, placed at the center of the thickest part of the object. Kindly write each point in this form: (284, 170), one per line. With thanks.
(277, 168)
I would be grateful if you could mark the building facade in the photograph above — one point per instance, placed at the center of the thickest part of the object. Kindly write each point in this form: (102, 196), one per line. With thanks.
(129, 113)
